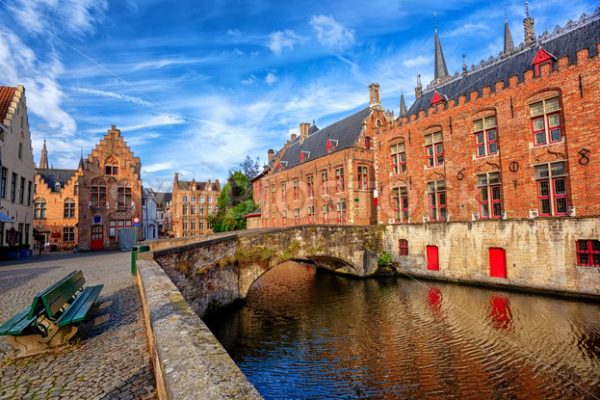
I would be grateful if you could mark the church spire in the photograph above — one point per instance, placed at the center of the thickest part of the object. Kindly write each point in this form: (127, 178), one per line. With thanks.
(509, 45)
(403, 110)
(44, 157)
(81, 163)
(441, 71)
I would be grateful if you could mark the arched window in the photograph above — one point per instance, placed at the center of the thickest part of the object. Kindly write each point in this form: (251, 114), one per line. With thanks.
(69, 208)
(486, 136)
(398, 154)
(39, 209)
(111, 166)
(546, 121)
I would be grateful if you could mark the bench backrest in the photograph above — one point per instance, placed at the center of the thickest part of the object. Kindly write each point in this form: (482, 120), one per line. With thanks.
(54, 297)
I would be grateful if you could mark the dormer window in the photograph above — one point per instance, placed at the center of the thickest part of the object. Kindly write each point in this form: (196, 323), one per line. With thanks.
(57, 186)
(541, 57)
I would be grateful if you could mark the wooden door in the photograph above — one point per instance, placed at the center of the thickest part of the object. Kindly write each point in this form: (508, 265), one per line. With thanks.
(497, 262)
(97, 242)
(433, 263)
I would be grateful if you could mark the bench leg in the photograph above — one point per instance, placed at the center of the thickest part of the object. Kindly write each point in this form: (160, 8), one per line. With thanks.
(30, 345)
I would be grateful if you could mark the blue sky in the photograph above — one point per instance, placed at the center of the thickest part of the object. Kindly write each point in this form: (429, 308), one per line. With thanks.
(195, 86)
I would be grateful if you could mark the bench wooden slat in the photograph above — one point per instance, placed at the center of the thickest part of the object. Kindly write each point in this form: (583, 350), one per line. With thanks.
(37, 300)
(62, 294)
(78, 310)
(17, 324)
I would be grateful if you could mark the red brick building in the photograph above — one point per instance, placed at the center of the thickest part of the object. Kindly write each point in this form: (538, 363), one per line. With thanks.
(512, 138)
(323, 176)
(88, 206)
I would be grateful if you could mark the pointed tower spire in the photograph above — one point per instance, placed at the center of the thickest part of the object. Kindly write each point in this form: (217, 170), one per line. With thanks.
(528, 25)
(44, 157)
(441, 71)
(509, 45)
(403, 110)
(81, 163)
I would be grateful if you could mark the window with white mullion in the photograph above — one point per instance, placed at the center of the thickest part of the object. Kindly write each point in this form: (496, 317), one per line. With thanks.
(486, 136)
(552, 188)
(490, 195)
(546, 121)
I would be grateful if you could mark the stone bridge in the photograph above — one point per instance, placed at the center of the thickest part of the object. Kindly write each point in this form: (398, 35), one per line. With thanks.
(217, 271)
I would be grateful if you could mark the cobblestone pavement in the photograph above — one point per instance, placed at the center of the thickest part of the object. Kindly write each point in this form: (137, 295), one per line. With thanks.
(109, 356)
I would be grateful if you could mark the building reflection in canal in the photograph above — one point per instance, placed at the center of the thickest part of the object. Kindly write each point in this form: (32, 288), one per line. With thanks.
(306, 335)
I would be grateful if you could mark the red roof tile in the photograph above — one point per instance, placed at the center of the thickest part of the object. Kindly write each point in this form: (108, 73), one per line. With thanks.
(6, 95)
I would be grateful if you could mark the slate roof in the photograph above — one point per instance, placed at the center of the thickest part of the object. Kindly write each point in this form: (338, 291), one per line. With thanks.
(162, 198)
(345, 131)
(562, 42)
(51, 176)
(6, 95)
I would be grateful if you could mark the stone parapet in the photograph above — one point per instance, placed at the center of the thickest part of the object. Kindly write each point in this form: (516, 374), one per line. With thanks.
(189, 362)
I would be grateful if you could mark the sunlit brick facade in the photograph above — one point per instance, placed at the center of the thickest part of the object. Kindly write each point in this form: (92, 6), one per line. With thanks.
(191, 204)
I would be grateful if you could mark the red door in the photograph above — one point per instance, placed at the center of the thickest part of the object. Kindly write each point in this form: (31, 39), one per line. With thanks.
(433, 263)
(497, 262)
(97, 237)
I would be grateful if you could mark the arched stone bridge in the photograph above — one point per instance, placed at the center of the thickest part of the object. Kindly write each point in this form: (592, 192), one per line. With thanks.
(219, 270)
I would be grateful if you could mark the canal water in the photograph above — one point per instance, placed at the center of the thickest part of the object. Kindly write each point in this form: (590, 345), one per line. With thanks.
(308, 335)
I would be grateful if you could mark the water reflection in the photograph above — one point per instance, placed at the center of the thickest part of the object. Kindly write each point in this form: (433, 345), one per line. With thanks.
(314, 336)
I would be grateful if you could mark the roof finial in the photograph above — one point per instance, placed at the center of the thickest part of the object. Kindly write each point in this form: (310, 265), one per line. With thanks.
(419, 87)
(528, 25)
(441, 71)
(464, 66)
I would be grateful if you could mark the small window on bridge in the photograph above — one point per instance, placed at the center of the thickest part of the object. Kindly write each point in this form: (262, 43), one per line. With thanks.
(403, 247)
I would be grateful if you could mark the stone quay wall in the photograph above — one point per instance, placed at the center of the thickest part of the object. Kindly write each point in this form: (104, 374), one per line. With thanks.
(188, 361)
(540, 254)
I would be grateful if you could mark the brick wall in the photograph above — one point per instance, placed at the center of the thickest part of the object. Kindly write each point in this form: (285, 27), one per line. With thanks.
(578, 89)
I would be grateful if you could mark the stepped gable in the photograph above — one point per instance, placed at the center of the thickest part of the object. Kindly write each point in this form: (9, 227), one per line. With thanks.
(114, 144)
(345, 131)
(52, 176)
(562, 42)
(7, 94)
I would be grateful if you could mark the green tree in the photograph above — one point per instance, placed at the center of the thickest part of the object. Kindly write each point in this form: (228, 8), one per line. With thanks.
(235, 201)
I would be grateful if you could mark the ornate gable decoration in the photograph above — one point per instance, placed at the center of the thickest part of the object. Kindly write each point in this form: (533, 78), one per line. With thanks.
(541, 57)
(437, 98)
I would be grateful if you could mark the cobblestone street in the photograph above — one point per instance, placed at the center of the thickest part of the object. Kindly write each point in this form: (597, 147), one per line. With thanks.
(108, 358)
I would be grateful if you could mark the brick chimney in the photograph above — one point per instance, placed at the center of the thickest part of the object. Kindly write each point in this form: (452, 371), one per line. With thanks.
(293, 137)
(419, 87)
(270, 155)
(374, 96)
(529, 27)
(304, 127)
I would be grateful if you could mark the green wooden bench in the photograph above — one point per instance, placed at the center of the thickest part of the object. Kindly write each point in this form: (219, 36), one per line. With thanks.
(52, 318)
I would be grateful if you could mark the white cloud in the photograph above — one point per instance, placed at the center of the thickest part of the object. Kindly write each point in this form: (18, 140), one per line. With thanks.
(75, 16)
(154, 121)
(271, 78)
(417, 61)
(160, 166)
(124, 97)
(281, 41)
(43, 92)
(250, 80)
(332, 34)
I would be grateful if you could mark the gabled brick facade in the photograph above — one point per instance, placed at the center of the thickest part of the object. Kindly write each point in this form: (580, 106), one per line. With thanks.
(191, 204)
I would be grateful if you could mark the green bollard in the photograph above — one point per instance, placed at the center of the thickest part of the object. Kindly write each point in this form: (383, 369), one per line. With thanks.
(134, 252)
